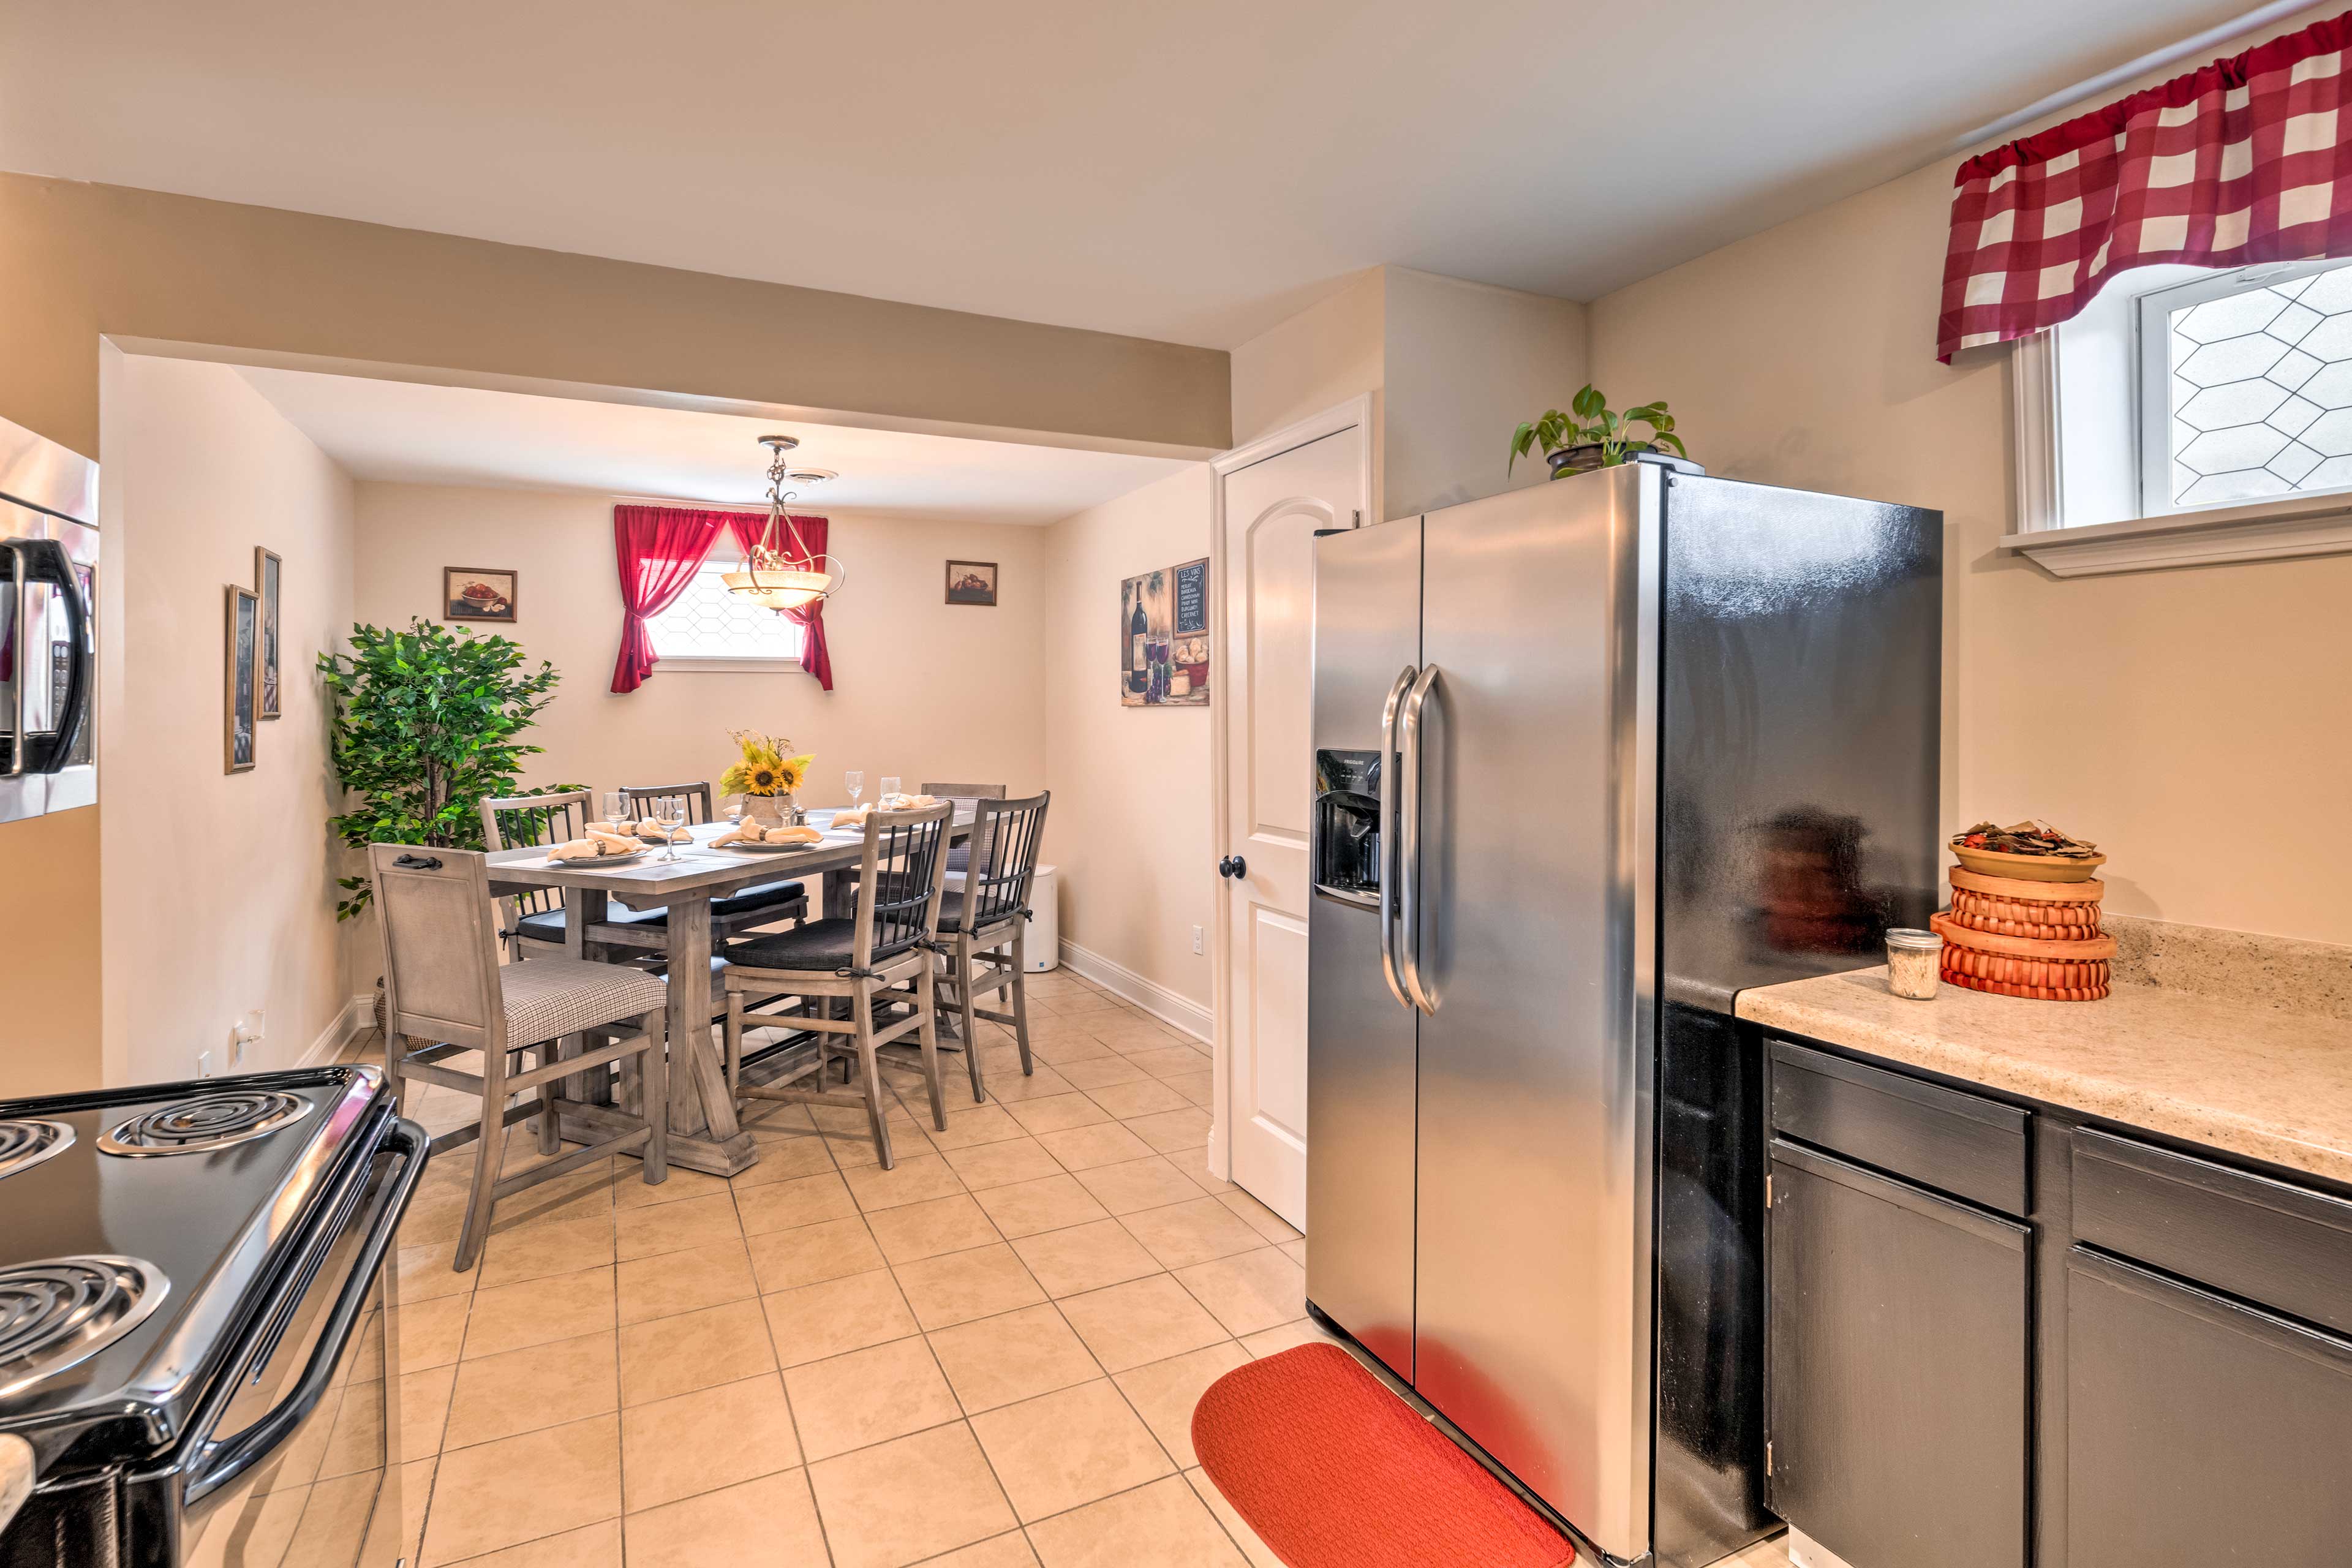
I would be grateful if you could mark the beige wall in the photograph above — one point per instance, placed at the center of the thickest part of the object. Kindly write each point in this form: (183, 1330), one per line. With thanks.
(921, 689)
(2190, 720)
(1130, 821)
(218, 888)
(1326, 354)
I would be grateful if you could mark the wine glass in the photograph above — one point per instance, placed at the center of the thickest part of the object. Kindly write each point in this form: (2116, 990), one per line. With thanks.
(889, 787)
(855, 778)
(669, 815)
(616, 808)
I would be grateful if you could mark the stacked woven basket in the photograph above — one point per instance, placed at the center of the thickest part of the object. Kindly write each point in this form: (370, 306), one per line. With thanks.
(2033, 936)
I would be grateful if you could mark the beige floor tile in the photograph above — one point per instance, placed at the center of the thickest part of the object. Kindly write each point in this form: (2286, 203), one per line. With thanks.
(1064, 1449)
(425, 1274)
(478, 1504)
(1146, 1097)
(1091, 1073)
(868, 1397)
(425, 1407)
(902, 1501)
(1287, 1336)
(809, 1253)
(1061, 1044)
(694, 1350)
(630, 1189)
(1199, 1088)
(1194, 1163)
(1164, 1393)
(1250, 1290)
(784, 1154)
(701, 1441)
(580, 1194)
(688, 1281)
(813, 1321)
(1143, 1321)
(1256, 1550)
(928, 1229)
(1085, 1257)
(1296, 1251)
(1022, 1159)
(978, 1124)
(1055, 1111)
(563, 1248)
(1171, 1062)
(961, 1286)
(1013, 1356)
(673, 1228)
(523, 1391)
(596, 1546)
(1171, 1131)
(1149, 1183)
(539, 1312)
(1045, 1083)
(912, 1179)
(1257, 1216)
(772, 1520)
(1122, 1029)
(1010, 1551)
(1050, 1203)
(1084, 1148)
(1184, 1234)
(433, 1332)
(1089, 1001)
(796, 1201)
(1163, 1525)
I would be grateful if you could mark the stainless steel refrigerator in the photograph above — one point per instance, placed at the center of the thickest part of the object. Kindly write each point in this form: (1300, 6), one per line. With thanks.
(1591, 757)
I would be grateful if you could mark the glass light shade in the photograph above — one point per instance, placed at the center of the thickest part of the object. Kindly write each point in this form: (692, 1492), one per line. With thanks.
(784, 588)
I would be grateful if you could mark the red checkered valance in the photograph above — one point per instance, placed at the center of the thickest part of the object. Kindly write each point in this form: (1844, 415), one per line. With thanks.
(2247, 160)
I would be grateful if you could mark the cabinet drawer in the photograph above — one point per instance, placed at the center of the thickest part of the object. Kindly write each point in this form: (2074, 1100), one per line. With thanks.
(1957, 1143)
(2274, 1244)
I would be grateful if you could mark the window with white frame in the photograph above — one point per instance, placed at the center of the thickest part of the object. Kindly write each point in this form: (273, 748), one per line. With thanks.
(706, 627)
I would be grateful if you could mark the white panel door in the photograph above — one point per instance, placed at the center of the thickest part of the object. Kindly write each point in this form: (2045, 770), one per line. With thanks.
(1273, 507)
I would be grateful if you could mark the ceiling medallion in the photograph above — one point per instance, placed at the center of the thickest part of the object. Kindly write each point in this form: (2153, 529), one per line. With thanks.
(781, 572)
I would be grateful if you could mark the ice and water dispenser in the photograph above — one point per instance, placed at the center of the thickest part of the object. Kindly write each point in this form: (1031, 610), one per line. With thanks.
(1348, 824)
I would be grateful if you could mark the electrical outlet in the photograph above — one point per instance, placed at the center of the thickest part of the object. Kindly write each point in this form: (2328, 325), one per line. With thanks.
(204, 1064)
(1199, 939)
(248, 1031)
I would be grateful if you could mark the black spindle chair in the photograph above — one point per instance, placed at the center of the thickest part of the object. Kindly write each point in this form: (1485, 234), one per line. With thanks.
(983, 928)
(761, 905)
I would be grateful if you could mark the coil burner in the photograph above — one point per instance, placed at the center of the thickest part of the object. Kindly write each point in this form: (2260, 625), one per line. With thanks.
(62, 1310)
(206, 1123)
(24, 1144)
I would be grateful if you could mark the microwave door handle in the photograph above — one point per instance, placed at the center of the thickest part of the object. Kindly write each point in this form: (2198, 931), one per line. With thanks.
(1388, 887)
(45, 559)
(1409, 853)
(21, 733)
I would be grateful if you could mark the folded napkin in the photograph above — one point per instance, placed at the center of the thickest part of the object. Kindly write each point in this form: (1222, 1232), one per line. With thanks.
(651, 832)
(906, 802)
(596, 846)
(751, 832)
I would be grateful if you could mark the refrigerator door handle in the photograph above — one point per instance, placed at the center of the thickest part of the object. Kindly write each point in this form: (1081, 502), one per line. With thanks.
(1409, 850)
(1388, 891)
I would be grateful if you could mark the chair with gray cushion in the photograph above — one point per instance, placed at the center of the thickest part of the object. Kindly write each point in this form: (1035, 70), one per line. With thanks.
(880, 955)
(446, 993)
(983, 928)
(531, 922)
(752, 907)
(964, 794)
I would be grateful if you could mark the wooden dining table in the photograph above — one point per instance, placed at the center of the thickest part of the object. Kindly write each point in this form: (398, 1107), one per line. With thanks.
(704, 1133)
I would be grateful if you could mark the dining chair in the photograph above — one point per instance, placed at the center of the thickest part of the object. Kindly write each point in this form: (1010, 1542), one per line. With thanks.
(983, 930)
(532, 922)
(883, 953)
(960, 855)
(446, 993)
(765, 904)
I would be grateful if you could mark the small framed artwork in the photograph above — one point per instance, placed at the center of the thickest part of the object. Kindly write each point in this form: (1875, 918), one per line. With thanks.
(240, 676)
(266, 571)
(972, 583)
(477, 594)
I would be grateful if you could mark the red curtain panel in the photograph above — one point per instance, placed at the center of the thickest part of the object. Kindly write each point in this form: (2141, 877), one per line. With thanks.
(814, 530)
(2246, 160)
(659, 548)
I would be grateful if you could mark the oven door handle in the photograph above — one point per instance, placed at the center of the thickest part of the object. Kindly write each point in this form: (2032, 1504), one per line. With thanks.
(217, 1464)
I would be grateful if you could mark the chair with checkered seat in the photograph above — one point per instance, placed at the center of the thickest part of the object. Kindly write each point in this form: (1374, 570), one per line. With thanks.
(446, 995)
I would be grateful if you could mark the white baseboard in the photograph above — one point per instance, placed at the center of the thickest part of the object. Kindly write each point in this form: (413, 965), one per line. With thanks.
(357, 1017)
(1169, 1007)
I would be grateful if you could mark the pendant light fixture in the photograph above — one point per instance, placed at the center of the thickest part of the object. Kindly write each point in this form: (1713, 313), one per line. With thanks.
(781, 573)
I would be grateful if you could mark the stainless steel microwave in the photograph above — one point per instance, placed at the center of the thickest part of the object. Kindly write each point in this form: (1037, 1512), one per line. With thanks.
(48, 630)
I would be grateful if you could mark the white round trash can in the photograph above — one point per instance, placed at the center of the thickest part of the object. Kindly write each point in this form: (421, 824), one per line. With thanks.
(1041, 946)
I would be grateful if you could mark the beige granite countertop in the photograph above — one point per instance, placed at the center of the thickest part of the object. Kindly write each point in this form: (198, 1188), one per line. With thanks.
(2271, 1085)
(16, 1476)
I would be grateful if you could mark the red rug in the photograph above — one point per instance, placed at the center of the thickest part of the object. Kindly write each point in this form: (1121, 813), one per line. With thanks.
(1334, 1471)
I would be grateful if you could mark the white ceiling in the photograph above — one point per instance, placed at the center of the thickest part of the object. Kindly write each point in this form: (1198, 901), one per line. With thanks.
(461, 435)
(1191, 171)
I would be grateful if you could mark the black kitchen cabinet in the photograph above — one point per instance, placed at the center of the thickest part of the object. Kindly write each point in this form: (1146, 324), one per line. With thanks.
(1898, 1386)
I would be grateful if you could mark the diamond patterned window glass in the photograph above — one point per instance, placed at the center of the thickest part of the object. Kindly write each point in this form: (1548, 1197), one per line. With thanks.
(706, 621)
(2261, 384)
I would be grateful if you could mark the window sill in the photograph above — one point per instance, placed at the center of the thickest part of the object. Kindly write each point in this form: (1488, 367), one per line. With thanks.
(684, 664)
(2270, 530)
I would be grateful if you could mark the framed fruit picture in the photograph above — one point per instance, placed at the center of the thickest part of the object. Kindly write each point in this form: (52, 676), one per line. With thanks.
(972, 583)
(477, 594)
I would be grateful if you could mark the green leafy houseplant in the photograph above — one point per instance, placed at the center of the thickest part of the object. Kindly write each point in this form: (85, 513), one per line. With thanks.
(424, 725)
(1589, 422)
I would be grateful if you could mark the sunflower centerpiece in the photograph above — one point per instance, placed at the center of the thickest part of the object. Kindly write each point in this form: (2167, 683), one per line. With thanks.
(766, 778)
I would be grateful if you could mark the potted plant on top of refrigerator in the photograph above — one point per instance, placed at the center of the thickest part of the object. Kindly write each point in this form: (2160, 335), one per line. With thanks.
(1591, 435)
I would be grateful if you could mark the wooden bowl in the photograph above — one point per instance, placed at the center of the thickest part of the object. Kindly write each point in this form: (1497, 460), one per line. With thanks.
(2044, 971)
(2030, 867)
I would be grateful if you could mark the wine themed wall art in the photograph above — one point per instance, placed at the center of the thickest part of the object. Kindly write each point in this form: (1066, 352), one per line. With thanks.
(1163, 618)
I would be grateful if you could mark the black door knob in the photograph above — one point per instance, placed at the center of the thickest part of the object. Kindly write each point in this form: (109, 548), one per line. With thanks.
(1232, 866)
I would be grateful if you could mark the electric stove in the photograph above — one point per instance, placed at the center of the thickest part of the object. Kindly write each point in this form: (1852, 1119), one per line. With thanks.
(194, 1332)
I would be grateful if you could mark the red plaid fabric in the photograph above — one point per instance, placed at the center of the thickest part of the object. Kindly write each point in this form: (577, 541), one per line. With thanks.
(2247, 160)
